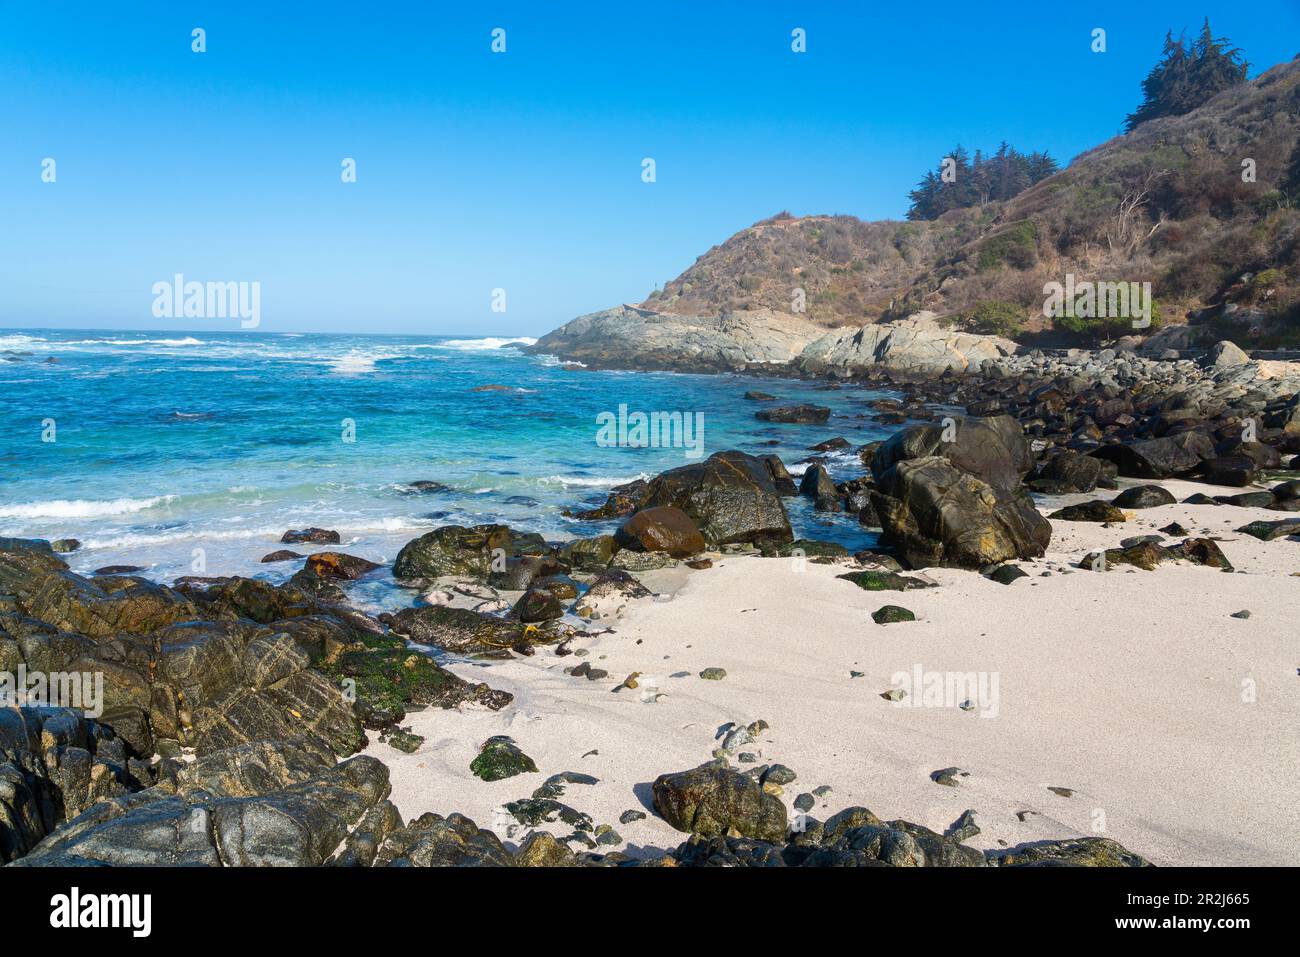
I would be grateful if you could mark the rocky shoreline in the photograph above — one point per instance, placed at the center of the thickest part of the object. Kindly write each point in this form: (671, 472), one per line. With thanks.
(235, 711)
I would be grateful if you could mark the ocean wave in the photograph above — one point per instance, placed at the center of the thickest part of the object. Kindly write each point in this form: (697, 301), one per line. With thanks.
(596, 481)
(82, 508)
(187, 341)
(552, 362)
(269, 533)
(19, 341)
(480, 345)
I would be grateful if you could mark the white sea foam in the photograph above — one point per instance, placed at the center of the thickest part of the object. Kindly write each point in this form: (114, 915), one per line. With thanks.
(82, 508)
(356, 362)
(596, 481)
(19, 341)
(479, 345)
(187, 341)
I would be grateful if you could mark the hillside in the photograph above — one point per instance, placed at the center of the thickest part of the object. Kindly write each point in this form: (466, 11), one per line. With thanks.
(1166, 204)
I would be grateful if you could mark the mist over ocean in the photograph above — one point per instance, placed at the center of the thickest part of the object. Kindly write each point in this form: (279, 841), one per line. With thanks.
(169, 442)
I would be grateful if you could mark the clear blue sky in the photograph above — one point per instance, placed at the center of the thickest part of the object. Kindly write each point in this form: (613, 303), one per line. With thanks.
(521, 170)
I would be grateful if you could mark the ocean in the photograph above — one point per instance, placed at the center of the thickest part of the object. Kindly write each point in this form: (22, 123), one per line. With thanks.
(192, 452)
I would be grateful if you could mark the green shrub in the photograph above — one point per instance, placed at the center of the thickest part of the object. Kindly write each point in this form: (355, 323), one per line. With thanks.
(997, 318)
(1015, 246)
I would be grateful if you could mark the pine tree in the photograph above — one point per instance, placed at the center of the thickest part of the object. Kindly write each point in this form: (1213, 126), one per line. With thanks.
(1187, 76)
(978, 180)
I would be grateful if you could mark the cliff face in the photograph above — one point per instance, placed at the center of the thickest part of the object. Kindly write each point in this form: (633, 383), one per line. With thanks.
(1170, 203)
(630, 337)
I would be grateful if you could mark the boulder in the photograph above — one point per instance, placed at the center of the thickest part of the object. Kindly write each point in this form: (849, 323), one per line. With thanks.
(1233, 470)
(1072, 471)
(664, 528)
(715, 800)
(298, 826)
(1094, 511)
(339, 565)
(1144, 496)
(1165, 457)
(432, 840)
(454, 550)
(730, 496)
(537, 604)
(798, 414)
(315, 536)
(468, 632)
(936, 514)
(1223, 355)
(816, 484)
(781, 477)
(588, 554)
(993, 449)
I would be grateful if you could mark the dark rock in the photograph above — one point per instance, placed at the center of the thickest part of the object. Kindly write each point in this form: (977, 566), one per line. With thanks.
(434, 841)
(816, 484)
(1235, 470)
(892, 614)
(664, 528)
(884, 581)
(1268, 531)
(1074, 852)
(1202, 551)
(466, 632)
(501, 758)
(454, 550)
(1144, 496)
(730, 496)
(283, 555)
(1094, 511)
(588, 553)
(830, 445)
(992, 449)
(781, 477)
(714, 800)
(1006, 574)
(340, 566)
(795, 414)
(936, 514)
(1071, 471)
(317, 536)
(1159, 458)
(964, 828)
(537, 604)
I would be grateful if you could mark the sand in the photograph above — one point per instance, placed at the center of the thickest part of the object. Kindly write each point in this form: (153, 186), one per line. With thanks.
(1173, 724)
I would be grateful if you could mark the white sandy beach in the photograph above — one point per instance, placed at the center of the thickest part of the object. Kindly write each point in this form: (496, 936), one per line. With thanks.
(1131, 688)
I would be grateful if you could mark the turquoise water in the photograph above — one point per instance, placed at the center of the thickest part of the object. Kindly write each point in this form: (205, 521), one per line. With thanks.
(165, 443)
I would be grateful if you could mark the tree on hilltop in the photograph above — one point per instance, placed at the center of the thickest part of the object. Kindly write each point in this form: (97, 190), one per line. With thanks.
(1187, 76)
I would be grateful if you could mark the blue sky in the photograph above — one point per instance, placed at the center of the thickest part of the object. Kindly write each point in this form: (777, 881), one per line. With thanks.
(520, 170)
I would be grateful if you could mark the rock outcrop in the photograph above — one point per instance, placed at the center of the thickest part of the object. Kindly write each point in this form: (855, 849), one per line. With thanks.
(631, 337)
(917, 345)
